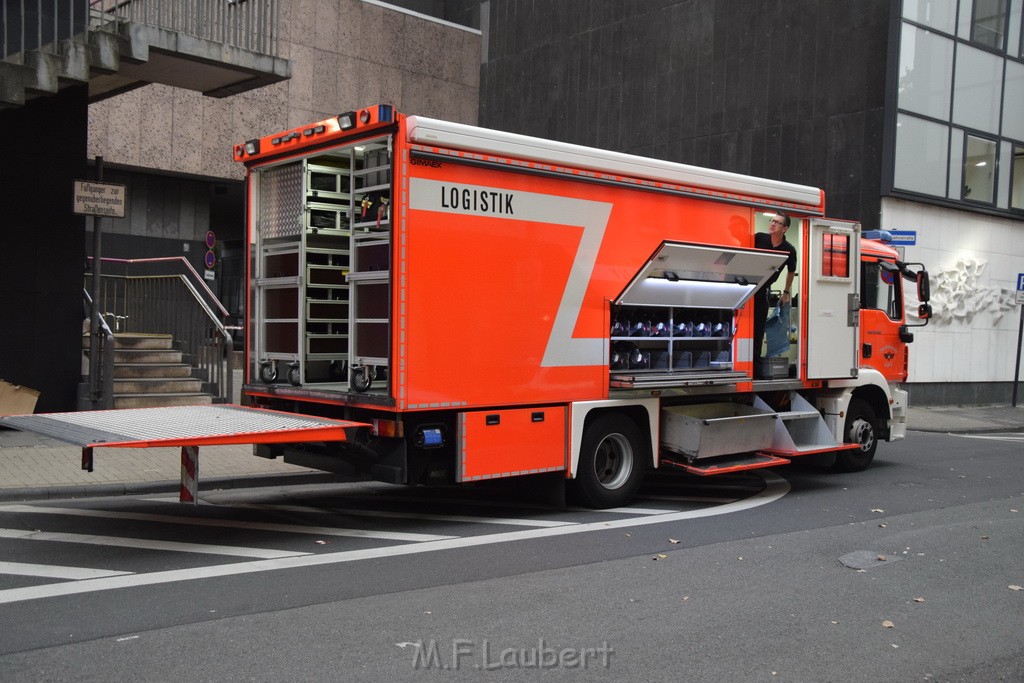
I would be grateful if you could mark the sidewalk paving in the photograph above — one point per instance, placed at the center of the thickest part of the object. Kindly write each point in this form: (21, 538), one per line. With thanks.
(36, 467)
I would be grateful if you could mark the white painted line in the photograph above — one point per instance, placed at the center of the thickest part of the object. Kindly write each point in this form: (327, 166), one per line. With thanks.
(389, 514)
(52, 571)
(228, 523)
(633, 511)
(992, 437)
(148, 544)
(776, 488)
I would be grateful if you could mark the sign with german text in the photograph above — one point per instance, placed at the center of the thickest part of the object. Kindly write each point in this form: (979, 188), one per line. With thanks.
(903, 237)
(100, 199)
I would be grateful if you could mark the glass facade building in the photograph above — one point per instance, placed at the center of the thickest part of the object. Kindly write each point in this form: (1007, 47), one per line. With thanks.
(959, 104)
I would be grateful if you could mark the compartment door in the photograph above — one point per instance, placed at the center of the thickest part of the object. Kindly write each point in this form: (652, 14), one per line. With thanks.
(508, 443)
(700, 276)
(832, 299)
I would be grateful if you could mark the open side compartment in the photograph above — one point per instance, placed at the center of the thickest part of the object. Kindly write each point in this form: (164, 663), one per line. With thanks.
(674, 323)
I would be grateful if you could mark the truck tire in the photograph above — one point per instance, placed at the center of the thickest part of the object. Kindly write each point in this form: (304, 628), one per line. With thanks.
(611, 464)
(861, 428)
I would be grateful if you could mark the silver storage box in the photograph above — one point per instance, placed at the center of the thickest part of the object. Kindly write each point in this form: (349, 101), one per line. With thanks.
(709, 430)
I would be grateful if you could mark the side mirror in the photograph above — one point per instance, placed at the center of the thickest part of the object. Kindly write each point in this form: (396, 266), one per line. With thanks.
(924, 311)
(923, 288)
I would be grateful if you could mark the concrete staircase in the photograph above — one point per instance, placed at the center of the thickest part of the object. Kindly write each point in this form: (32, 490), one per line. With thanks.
(150, 372)
(113, 54)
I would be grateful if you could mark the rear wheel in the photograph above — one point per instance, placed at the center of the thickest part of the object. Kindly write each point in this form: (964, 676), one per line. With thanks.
(611, 464)
(862, 429)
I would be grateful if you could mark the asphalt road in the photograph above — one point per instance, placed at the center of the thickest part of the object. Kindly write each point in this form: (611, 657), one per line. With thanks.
(719, 579)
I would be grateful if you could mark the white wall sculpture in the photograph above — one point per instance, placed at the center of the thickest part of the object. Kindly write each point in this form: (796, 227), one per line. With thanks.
(957, 294)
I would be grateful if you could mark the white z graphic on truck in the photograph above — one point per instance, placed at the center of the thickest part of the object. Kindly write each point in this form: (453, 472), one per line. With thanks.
(563, 350)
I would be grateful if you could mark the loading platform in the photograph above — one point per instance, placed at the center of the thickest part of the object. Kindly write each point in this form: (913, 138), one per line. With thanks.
(186, 426)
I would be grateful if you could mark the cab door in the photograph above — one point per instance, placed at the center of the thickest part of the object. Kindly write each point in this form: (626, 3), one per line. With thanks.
(832, 299)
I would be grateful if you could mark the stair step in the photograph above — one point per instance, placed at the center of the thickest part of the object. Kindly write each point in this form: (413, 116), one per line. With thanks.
(161, 342)
(147, 356)
(810, 449)
(158, 400)
(140, 370)
(128, 341)
(728, 463)
(158, 385)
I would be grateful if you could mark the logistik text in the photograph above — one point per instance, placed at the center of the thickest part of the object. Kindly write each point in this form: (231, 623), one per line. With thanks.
(477, 200)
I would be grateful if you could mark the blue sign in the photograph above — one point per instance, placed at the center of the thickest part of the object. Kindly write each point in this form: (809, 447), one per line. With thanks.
(1020, 282)
(904, 237)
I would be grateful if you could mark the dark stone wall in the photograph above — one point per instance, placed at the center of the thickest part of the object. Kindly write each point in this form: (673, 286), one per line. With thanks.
(785, 89)
(43, 148)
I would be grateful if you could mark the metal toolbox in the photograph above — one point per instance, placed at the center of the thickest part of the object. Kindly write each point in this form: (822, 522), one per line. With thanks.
(776, 367)
(709, 430)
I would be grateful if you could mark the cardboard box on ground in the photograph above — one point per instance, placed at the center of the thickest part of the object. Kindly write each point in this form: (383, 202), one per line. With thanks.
(17, 400)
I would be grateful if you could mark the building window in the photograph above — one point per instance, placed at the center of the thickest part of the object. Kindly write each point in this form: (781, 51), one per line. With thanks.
(979, 170)
(1013, 101)
(922, 154)
(1017, 188)
(938, 14)
(988, 26)
(977, 89)
(926, 72)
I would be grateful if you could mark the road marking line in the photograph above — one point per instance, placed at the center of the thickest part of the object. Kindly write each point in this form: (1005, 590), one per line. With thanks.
(148, 544)
(776, 488)
(228, 523)
(992, 437)
(631, 510)
(391, 514)
(52, 571)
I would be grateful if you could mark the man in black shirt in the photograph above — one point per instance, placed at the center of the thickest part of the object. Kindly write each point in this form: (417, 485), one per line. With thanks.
(774, 239)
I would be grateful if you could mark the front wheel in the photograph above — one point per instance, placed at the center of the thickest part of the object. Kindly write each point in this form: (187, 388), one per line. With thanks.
(611, 464)
(861, 428)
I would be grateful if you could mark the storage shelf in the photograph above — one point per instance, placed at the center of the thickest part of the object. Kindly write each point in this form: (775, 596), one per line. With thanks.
(307, 281)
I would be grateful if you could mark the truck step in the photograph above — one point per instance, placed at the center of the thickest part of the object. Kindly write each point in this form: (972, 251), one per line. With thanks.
(811, 449)
(728, 463)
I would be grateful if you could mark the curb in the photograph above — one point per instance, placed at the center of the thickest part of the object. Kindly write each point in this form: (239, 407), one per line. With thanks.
(150, 487)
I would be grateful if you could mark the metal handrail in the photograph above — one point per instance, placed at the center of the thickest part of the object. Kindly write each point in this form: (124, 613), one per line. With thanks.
(180, 260)
(27, 25)
(177, 304)
(100, 398)
(54, 22)
(247, 24)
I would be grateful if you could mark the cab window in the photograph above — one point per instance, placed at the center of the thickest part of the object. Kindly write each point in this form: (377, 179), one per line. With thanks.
(880, 290)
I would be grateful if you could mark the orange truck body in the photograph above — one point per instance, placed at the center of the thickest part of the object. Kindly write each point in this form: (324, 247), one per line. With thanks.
(458, 289)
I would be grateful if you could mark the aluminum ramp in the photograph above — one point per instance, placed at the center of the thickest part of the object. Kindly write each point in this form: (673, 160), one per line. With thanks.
(186, 426)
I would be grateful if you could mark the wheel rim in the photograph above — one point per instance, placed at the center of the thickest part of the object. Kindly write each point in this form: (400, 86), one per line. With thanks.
(613, 461)
(862, 433)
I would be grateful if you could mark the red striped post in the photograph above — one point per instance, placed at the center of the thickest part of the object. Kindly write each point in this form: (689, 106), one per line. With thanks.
(189, 475)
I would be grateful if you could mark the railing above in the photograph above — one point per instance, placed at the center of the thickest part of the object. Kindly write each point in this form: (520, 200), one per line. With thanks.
(164, 265)
(247, 24)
